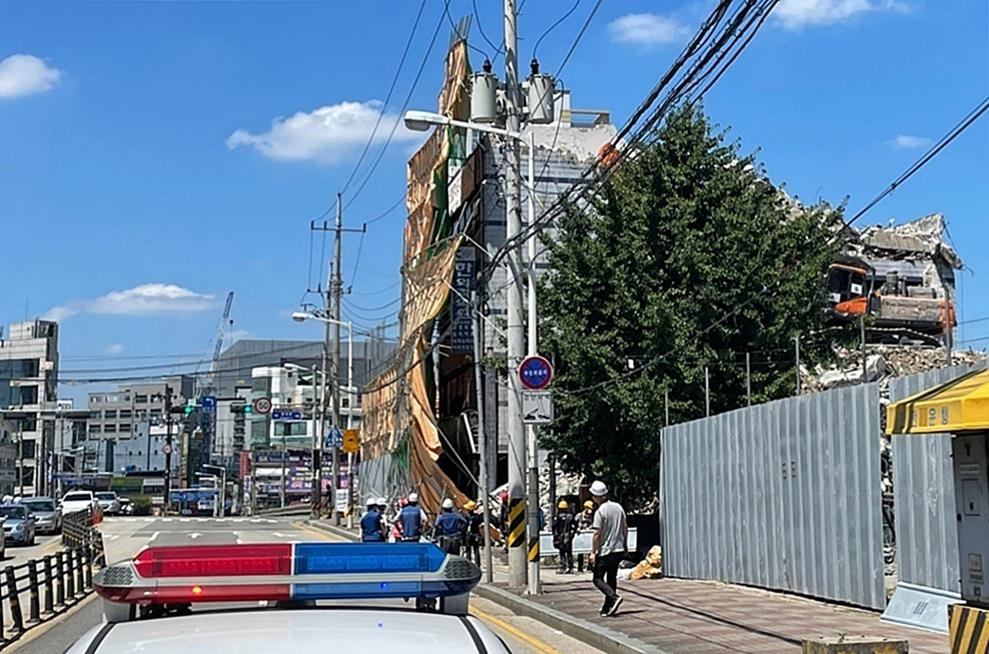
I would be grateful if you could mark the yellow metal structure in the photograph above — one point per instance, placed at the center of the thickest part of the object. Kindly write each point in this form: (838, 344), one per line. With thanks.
(968, 629)
(961, 405)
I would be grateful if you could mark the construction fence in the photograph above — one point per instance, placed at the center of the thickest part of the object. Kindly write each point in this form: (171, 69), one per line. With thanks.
(788, 496)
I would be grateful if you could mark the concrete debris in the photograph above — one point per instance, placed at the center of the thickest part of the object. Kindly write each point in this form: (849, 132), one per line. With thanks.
(883, 362)
(920, 239)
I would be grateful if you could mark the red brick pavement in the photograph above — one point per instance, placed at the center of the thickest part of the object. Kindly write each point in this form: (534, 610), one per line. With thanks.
(686, 617)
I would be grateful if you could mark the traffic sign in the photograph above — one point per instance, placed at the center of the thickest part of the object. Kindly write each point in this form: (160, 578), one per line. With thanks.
(333, 438)
(535, 372)
(262, 405)
(537, 407)
(351, 440)
(167, 449)
(208, 402)
(285, 414)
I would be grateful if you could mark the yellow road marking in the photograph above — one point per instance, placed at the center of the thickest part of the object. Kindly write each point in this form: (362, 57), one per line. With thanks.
(325, 535)
(536, 644)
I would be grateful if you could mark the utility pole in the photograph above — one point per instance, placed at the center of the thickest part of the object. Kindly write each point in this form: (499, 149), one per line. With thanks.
(332, 299)
(533, 349)
(517, 571)
(748, 379)
(796, 355)
(168, 451)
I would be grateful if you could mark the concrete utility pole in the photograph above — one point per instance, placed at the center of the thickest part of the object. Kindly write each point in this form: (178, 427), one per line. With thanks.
(796, 356)
(337, 299)
(168, 451)
(517, 571)
(533, 349)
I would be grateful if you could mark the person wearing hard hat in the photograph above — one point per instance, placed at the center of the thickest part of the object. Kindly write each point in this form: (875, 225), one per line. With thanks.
(473, 538)
(609, 546)
(584, 521)
(372, 523)
(450, 528)
(383, 510)
(412, 520)
(564, 529)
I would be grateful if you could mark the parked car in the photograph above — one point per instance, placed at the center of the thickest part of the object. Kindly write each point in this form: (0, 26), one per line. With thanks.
(109, 502)
(49, 518)
(18, 524)
(78, 500)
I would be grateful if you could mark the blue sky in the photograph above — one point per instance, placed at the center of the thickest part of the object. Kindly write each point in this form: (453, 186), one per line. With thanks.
(154, 156)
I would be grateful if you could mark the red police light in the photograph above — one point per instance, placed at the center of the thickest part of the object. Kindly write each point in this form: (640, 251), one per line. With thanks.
(197, 561)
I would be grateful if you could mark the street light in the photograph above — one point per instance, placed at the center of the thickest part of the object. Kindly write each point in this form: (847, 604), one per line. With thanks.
(302, 316)
(421, 121)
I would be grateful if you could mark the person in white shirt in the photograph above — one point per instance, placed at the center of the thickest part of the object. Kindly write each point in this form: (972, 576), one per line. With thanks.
(609, 546)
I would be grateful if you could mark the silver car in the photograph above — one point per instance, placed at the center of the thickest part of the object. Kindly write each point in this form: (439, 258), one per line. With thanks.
(18, 524)
(44, 509)
(108, 502)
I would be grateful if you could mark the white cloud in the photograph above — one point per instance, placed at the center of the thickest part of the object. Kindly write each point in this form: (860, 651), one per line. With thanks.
(795, 14)
(114, 348)
(909, 142)
(328, 134)
(22, 74)
(143, 300)
(646, 30)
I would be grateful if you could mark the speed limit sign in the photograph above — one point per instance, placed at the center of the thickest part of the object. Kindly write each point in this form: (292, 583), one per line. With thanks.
(262, 405)
(167, 449)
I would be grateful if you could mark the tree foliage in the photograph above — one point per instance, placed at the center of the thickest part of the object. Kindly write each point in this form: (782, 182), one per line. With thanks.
(687, 259)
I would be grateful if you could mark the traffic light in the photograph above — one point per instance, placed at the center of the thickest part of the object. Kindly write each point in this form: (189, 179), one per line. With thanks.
(188, 409)
(241, 409)
(248, 408)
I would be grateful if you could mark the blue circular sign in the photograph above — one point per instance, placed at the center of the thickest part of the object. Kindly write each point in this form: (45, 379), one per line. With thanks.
(535, 373)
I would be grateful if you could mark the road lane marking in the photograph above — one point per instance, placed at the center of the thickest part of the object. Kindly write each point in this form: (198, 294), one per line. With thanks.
(153, 537)
(194, 536)
(236, 536)
(531, 641)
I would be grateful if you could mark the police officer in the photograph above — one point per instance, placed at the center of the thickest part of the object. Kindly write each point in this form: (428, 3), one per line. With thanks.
(372, 524)
(475, 522)
(450, 528)
(412, 520)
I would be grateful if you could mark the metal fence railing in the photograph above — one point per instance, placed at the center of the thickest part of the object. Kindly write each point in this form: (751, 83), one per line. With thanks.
(37, 590)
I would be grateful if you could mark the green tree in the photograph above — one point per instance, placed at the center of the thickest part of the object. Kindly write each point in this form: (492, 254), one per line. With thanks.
(689, 257)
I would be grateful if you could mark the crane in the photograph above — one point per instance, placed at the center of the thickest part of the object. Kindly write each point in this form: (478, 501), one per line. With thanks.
(221, 330)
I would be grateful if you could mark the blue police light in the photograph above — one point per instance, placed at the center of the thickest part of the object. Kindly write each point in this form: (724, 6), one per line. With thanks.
(343, 558)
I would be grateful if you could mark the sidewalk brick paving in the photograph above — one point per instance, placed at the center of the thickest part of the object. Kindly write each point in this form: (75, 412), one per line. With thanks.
(687, 617)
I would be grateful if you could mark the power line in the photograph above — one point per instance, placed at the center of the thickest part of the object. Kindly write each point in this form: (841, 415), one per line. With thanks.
(480, 28)
(952, 134)
(391, 89)
(405, 105)
(552, 27)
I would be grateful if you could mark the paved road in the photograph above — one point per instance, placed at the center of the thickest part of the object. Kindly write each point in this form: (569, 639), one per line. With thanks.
(125, 536)
(16, 554)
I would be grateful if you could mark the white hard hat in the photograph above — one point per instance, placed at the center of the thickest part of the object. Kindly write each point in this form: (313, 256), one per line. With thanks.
(598, 489)
(371, 501)
(448, 503)
(383, 501)
(413, 497)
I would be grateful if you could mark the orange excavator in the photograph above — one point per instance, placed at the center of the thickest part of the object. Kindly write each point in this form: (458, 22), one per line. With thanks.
(899, 311)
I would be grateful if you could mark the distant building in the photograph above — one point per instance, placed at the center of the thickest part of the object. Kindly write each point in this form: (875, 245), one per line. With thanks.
(113, 414)
(29, 387)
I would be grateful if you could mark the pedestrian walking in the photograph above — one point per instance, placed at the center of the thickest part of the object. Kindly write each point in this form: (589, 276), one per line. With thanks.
(372, 523)
(609, 546)
(450, 528)
(412, 520)
(475, 522)
(564, 529)
(584, 521)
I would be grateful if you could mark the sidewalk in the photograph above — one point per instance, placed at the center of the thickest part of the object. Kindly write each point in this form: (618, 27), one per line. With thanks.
(677, 616)
(686, 616)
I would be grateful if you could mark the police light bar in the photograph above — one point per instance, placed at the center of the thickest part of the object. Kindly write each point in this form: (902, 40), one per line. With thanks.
(287, 572)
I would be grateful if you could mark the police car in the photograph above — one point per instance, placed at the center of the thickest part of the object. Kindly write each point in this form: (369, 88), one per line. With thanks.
(170, 599)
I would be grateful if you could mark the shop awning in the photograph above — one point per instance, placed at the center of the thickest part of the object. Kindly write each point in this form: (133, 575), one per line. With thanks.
(959, 405)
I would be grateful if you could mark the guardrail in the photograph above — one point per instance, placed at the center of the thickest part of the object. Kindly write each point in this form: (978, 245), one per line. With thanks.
(37, 590)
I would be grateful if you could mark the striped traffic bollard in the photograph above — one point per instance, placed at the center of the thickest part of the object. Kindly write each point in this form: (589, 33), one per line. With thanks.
(34, 605)
(49, 599)
(60, 578)
(15, 602)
